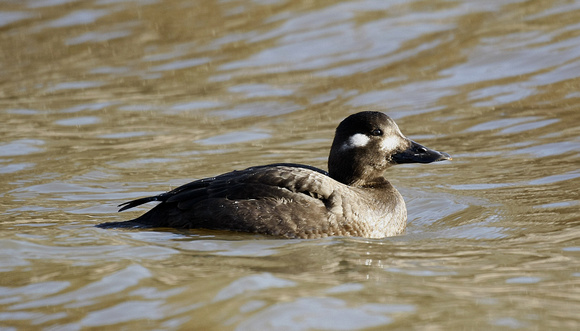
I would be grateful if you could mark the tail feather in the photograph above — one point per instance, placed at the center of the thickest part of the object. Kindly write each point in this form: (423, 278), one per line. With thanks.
(147, 220)
(135, 203)
(123, 224)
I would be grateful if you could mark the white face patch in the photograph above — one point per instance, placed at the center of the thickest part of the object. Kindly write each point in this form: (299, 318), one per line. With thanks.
(391, 143)
(356, 140)
(394, 140)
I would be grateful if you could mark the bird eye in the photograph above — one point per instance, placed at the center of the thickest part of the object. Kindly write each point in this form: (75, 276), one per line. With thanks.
(377, 132)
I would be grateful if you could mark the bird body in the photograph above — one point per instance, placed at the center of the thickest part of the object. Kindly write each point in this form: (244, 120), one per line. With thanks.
(299, 201)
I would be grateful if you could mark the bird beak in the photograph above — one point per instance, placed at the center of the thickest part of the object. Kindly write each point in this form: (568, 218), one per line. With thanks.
(417, 153)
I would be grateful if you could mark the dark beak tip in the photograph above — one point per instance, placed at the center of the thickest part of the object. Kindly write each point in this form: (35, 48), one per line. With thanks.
(445, 157)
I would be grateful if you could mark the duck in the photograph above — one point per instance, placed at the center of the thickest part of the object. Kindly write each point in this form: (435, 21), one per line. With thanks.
(288, 200)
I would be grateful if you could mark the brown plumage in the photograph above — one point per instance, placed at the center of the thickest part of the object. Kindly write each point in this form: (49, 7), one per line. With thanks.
(299, 201)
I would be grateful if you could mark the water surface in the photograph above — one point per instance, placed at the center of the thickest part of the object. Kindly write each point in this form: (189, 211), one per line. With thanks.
(105, 101)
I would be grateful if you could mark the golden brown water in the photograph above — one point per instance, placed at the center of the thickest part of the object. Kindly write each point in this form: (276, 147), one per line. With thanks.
(105, 101)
